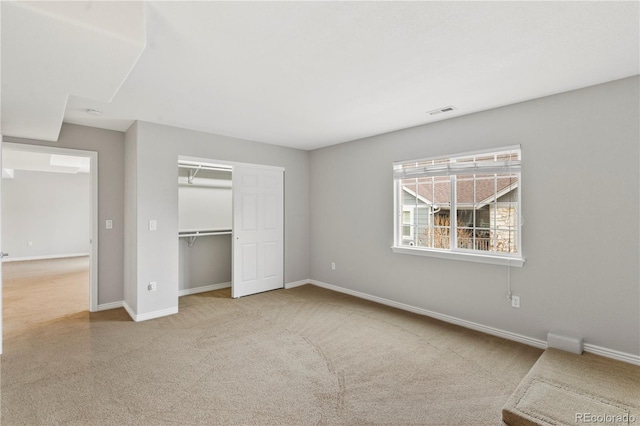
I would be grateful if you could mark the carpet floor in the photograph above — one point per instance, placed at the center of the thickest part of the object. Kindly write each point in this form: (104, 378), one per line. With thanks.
(288, 357)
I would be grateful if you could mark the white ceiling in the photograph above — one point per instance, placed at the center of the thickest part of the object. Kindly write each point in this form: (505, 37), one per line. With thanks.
(312, 74)
(53, 50)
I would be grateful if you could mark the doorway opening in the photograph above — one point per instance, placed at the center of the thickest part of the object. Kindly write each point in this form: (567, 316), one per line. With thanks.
(49, 231)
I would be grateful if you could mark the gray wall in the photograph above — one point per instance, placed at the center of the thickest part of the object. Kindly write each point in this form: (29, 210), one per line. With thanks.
(580, 196)
(130, 215)
(157, 149)
(205, 263)
(50, 210)
(110, 147)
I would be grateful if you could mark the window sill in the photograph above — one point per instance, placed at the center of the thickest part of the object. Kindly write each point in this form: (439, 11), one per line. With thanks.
(455, 255)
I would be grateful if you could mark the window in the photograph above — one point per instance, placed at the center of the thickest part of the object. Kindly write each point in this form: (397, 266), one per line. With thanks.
(465, 206)
(407, 223)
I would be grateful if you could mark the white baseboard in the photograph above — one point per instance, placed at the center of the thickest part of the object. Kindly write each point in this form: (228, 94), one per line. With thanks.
(541, 344)
(129, 310)
(296, 284)
(613, 354)
(48, 256)
(203, 289)
(149, 315)
(112, 305)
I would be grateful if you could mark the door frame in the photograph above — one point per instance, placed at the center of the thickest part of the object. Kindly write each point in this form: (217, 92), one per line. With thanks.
(93, 201)
(212, 161)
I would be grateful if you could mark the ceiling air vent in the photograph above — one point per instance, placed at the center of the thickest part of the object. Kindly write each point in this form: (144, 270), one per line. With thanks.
(441, 110)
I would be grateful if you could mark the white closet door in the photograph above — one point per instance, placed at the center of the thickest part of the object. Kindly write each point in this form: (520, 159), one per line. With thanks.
(258, 230)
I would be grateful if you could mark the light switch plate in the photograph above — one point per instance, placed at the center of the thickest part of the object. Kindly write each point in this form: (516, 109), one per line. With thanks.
(109, 224)
(153, 225)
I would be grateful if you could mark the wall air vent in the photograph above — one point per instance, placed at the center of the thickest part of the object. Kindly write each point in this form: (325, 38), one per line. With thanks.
(441, 110)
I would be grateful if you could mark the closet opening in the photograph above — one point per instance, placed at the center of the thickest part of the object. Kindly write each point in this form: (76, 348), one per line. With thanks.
(204, 226)
(230, 227)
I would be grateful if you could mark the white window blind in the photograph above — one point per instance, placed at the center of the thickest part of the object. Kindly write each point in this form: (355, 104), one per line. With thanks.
(505, 161)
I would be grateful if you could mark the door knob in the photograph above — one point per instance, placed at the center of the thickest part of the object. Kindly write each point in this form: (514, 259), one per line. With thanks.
(4, 254)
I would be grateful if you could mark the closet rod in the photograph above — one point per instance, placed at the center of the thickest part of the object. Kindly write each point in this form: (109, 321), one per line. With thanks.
(201, 167)
(204, 233)
(193, 236)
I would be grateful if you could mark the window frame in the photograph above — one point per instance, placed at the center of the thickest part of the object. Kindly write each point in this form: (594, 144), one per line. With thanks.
(455, 253)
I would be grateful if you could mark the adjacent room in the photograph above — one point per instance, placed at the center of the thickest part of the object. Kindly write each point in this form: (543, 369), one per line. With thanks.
(320, 213)
(46, 217)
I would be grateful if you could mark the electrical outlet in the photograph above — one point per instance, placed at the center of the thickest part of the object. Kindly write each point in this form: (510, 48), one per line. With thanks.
(30, 243)
(333, 266)
(515, 301)
(152, 286)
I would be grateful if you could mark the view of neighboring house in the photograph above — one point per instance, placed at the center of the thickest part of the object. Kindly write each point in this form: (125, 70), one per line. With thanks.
(486, 212)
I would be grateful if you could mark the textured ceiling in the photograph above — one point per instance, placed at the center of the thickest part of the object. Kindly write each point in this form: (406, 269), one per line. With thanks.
(312, 74)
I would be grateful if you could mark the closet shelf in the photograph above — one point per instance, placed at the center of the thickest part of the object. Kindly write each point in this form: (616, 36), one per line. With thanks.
(193, 235)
